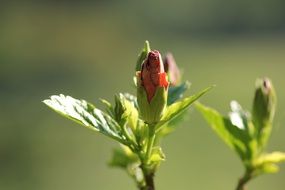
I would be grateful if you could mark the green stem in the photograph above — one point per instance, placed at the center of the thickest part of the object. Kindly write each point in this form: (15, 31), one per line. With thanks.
(148, 172)
(151, 138)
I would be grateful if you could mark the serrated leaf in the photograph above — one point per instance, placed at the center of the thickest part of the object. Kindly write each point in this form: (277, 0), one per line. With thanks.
(236, 138)
(85, 114)
(179, 107)
(131, 112)
(109, 107)
(176, 92)
(125, 111)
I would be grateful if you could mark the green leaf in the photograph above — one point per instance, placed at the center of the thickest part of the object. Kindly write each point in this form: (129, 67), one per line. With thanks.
(131, 112)
(125, 109)
(176, 92)
(131, 98)
(109, 107)
(179, 107)
(236, 138)
(238, 116)
(85, 114)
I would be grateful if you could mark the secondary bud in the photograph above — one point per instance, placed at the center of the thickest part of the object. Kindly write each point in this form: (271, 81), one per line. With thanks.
(172, 69)
(152, 87)
(263, 107)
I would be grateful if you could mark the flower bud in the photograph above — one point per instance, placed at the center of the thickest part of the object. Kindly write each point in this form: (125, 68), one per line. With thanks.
(152, 86)
(172, 69)
(263, 108)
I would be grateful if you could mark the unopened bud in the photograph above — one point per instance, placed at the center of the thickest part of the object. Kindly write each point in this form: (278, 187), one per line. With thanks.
(263, 107)
(152, 87)
(172, 69)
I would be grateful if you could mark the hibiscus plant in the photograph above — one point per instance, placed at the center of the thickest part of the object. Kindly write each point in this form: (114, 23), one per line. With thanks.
(138, 122)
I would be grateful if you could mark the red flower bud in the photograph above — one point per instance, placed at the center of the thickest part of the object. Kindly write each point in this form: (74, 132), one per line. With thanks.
(152, 74)
(152, 88)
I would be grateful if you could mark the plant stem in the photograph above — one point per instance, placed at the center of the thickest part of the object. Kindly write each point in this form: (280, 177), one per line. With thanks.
(243, 181)
(149, 179)
(151, 138)
(145, 165)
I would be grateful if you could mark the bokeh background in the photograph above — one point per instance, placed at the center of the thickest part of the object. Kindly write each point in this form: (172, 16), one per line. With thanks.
(88, 49)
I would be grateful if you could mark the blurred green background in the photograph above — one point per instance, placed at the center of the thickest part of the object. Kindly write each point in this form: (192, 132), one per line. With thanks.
(88, 49)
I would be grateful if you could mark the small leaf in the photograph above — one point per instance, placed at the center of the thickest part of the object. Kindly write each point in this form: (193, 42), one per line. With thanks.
(267, 163)
(109, 107)
(269, 168)
(238, 116)
(176, 92)
(131, 98)
(236, 138)
(274, 157)
(179, 107)
(131, 112)
(85, 114)
(157, 155)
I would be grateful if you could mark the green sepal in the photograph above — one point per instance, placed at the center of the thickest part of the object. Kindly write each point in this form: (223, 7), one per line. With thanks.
(152, 111)
(146, 49)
